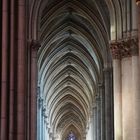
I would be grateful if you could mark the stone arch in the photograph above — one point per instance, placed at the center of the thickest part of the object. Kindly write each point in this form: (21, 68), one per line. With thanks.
(74, 53)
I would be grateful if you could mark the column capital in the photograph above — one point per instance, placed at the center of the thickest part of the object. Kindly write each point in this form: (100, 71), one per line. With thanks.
(115, 50)
(134, 46)
(124, 48)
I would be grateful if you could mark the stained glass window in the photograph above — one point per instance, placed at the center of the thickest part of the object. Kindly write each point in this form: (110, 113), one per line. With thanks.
(71, 136)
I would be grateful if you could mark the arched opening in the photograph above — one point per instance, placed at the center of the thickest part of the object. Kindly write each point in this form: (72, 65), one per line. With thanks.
(71, 136)
(74, 71)
(58, 61)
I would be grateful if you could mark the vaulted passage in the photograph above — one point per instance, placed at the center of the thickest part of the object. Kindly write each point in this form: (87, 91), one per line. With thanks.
(72, 63)
(69, 70)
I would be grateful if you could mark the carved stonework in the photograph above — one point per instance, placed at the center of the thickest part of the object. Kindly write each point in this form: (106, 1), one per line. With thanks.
(115, 48)
(134, 46)
(124, 48)
(44, 111)
(45, 114)
(40, 102)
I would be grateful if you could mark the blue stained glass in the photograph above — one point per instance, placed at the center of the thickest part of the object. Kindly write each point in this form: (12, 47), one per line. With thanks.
(71, 136)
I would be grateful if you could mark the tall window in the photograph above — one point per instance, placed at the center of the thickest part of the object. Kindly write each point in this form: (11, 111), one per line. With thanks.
(71, 136)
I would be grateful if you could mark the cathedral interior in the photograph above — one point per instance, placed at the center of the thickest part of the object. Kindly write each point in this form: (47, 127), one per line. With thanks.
(70, 70)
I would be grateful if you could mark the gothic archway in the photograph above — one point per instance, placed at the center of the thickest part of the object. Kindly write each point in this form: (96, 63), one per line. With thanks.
(74, 69)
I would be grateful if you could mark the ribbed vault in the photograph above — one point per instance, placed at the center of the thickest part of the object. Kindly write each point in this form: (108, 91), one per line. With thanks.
(74, 50)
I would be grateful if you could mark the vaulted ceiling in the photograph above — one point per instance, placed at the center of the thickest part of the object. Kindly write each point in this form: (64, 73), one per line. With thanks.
(74, 37)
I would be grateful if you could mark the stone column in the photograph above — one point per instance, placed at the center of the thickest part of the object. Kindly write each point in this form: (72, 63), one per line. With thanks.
(43, 126)
(109, 127)
(94, 122)
(98, 104)
(90, 126)
(21, 73)
(39, 102)
(116, 48)
(128, 17)
(39, 117)
(116, 54)
(102, 110)
(12, 71)
(134, 18)
(4, 76)
(136, 88)
(35, 45)
(46, 126)
(117, 99)
(126, 89)
(139, 52)
(127, 92)
(44, 121)
(138, 17)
